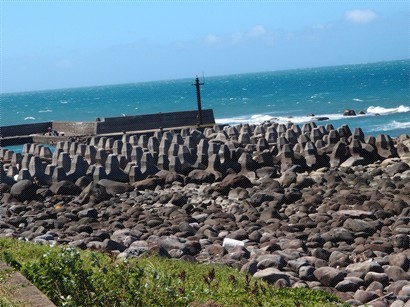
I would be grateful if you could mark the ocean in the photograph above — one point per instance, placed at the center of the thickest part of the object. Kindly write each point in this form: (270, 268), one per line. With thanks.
(380, 90)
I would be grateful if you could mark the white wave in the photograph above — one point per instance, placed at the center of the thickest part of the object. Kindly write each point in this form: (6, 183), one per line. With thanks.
(64, 102)
(392, 126)
(381, 110)
(29, 117)
(357, 99)
(45, 111)
(259, 118)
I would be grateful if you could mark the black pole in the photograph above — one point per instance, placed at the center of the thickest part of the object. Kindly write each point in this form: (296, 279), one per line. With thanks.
(198, 98)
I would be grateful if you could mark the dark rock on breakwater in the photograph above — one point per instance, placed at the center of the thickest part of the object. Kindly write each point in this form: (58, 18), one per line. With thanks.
(309, 206)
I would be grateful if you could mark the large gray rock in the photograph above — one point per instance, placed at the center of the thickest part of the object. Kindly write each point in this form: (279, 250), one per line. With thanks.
(357, 225)
(149, 183)
(200, 176)
(94, 192)
(271, 275)
(350, 284)
(401, 260)
(114, 187)
(364, 267)
(328, 276)
(24, 190)
(397, 168)
(236, 180)
(65, 187)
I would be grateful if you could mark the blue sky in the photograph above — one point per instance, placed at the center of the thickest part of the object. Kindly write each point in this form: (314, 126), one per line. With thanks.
(62, 44)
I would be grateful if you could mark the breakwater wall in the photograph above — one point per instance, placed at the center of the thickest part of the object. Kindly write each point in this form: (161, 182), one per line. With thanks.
(106, 125)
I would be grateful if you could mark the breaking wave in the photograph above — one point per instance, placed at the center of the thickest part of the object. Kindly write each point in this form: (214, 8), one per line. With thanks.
(259, 118)
(381, 110)
(392, 126)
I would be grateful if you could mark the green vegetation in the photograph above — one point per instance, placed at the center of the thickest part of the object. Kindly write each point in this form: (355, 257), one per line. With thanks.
(70, 277)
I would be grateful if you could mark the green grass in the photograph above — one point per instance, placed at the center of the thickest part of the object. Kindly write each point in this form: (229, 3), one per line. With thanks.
(70, 277)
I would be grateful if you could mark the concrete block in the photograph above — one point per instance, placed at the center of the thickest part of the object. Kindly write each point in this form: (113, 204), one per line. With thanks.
(26, 160)
(26, 148)
(78, 168)
(385, 146)
(81, 148)
(16, 159)
(113, 170)
(109, 143)
(143, 141)
(126, 151)
(90, 154)
(148, 166)
(271, 135)
(64, 161)
(244, 138)
(117, 147)
(136, 154)
(73, 149)
(164, 146)
(178, 139)
(101, 156)
(163, 162)
(59, 174)
(66, 146)
(133, 140)
(99, 173)
(24, 174)
(45, 153)
(135, 174)
(358, 135)
(175, 164)
(291, 136)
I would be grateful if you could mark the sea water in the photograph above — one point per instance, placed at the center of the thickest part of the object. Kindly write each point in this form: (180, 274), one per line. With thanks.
(380, 90)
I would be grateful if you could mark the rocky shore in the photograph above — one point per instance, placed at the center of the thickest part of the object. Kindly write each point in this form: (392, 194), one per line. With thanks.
(309, 206)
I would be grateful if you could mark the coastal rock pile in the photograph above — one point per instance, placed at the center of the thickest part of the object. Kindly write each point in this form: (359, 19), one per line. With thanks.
(313, 207)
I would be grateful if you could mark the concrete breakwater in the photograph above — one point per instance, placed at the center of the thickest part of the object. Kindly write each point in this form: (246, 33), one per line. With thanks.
(26, 133)
(311, 206)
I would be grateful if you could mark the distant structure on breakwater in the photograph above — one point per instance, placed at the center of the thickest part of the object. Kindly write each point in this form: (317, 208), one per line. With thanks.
(20, 134)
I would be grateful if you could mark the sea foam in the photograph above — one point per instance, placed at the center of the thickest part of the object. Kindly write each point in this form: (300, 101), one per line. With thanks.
(381, 110)
(392, 126)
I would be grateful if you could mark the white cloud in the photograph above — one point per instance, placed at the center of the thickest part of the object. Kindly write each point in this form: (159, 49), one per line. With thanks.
(257, 31)
(236, 37)
(322, 27)
(212, 39)
(360, 16)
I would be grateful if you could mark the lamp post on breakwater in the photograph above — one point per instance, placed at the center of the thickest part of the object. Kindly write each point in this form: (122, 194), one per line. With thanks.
(198, 98)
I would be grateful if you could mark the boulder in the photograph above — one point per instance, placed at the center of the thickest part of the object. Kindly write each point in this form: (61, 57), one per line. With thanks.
(94, 192)
(200, 176)
(271, 275)
(149, 183)
(114, 187)
(397, 168)
(329, 276)
(236, 180)
(349, 112)
(65, 187)
(24, 190)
